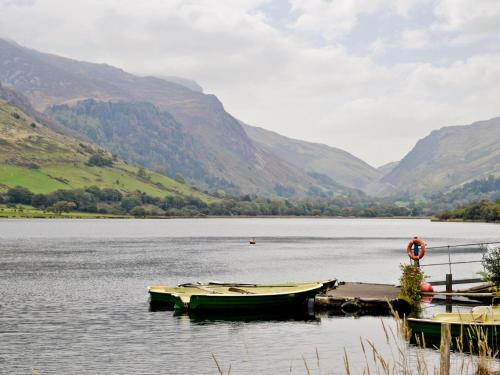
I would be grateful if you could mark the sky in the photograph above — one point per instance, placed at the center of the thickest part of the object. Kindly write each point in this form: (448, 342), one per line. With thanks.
(368, 76)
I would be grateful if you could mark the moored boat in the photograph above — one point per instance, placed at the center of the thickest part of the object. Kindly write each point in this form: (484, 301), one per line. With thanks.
(481, 324)
(233, 296)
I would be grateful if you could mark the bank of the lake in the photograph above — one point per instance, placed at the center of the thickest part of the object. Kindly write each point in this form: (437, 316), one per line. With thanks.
(481, 211)
(438, 220)
(30, 212)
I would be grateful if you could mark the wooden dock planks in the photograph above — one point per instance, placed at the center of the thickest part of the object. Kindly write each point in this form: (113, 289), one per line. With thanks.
(361, 298)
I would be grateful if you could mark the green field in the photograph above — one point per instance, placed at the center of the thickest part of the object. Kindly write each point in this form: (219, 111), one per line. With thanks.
(34, 213)
(35, 157)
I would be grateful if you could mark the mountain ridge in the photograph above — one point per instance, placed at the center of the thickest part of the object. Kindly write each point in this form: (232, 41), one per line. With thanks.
(337, 164)
(226, 151)
(449, 157)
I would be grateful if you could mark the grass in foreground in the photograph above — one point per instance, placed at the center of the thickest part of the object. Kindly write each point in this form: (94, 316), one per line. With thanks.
(398, 357)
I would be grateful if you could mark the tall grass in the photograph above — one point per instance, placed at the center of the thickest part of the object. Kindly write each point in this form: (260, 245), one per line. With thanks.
(409, 360)
(395, 356)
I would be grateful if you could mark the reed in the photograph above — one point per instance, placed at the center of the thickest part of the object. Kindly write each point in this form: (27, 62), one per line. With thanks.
(308, 372)
(408, 360)
(395, 356)
(221, 372)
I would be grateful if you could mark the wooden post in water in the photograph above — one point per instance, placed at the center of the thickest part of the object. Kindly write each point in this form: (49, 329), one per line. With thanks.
(444, 349)
(449, 283)
(449, 289)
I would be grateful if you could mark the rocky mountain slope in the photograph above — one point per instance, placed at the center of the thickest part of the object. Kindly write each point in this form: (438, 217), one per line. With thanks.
(448, 158)
(320, 161)
(137, 132)
(388, 167)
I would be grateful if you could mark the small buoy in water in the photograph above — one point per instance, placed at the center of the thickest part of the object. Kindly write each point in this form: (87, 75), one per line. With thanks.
(426, 288)
(252, 242)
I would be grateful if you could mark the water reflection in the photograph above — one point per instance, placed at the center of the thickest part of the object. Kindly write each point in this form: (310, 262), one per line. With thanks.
(247, 317)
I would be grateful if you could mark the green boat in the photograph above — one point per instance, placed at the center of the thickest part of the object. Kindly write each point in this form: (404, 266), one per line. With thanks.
(480, 325)
(231, 296)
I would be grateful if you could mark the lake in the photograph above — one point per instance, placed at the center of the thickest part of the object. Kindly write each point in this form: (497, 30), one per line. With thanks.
(73, 293)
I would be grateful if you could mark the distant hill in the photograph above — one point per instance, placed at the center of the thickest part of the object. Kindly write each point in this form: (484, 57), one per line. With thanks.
(387, 168)
(137, 132)
(189, 83)
(20, 101)
(317, 159)
(229, 157)
(36, 157)
(449, 157)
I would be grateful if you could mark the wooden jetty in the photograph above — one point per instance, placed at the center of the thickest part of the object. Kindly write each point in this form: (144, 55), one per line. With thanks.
(362, 299)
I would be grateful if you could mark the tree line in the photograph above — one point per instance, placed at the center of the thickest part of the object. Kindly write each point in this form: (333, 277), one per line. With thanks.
(483, 210)
(112, 201)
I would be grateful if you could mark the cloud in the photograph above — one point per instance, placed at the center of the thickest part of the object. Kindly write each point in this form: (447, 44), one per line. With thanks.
(17, 2)
(378, 47)
(335, 19)
(281, 78)
(480, 17)
(415, 39)
(458, 23)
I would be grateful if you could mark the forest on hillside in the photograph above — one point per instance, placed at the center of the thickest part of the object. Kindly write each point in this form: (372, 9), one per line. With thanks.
(477, 200)
(140, 204)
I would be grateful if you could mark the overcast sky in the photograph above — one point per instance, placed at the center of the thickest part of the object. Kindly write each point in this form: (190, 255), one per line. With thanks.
(368, 76)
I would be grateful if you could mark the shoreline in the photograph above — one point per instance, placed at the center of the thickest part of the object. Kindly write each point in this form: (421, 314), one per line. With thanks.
(36, 214)
(437, 220)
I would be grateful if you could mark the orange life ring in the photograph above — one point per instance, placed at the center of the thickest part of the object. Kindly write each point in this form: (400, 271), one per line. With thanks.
(421, 251)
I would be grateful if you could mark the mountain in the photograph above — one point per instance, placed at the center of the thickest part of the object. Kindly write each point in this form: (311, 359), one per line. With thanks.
(219, 142)
(189, 83)
(388, 167)
(36, 157)
(318, 160)
(20, 101)
(448, 158)
(137, 132)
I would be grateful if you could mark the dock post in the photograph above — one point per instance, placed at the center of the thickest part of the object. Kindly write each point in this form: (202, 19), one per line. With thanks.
(449, 289)
(444, 349)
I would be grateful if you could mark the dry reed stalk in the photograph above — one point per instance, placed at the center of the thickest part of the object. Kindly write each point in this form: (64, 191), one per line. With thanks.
(217, 363)
(307, 367)
(317, 358)
(346, 363)
(366, 357)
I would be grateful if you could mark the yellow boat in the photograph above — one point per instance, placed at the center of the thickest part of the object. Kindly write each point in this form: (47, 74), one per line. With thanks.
(482, 323)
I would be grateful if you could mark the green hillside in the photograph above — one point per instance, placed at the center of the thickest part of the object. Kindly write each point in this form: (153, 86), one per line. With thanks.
(33, 156)
(137, 132)
(448, 158)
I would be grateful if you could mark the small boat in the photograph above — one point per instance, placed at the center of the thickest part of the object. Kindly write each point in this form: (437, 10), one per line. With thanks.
(482, 323)
(252, 242)
(235, 296)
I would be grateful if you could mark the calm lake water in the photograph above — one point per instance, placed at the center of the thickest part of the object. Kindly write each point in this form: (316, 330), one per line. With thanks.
(73, 295)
